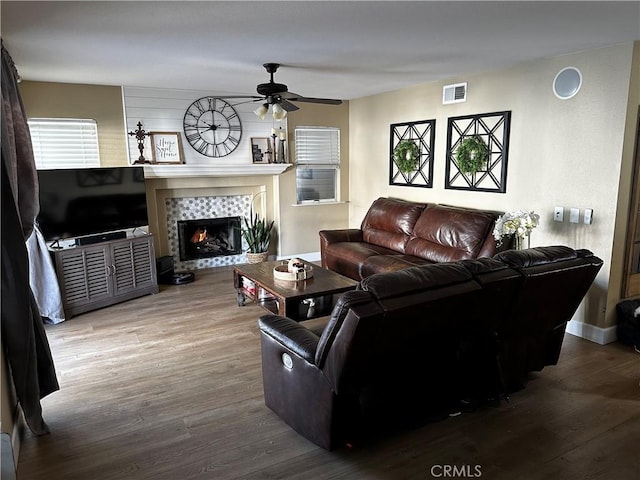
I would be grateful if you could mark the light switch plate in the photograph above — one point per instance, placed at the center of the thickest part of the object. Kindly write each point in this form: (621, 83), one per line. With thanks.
(588, 216)
(574, 215)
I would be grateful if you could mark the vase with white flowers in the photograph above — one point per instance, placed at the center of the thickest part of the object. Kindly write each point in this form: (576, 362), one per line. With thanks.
(517, 224)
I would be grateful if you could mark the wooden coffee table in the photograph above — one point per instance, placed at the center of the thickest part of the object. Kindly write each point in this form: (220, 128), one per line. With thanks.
(298, 300)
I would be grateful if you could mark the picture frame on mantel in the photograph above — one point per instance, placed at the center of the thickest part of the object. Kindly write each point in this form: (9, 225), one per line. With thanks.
(166, 148)
(261, 150)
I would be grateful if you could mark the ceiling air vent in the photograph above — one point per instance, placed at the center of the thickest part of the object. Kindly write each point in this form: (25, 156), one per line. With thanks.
(454, 93)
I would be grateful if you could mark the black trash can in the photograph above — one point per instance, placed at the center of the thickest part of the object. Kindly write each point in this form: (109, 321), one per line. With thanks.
(628, 315)
(164, 269)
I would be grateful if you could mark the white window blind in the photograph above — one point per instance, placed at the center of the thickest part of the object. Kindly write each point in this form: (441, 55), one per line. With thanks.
(64, 142)
(317, 164)
(317, 145)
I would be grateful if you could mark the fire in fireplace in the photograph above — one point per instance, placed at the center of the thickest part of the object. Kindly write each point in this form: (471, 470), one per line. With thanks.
(209, 237)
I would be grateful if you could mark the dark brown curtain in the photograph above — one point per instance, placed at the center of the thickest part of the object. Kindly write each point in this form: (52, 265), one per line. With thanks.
(23, 337)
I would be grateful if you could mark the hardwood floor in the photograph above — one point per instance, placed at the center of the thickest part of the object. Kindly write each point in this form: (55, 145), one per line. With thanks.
(169, 386)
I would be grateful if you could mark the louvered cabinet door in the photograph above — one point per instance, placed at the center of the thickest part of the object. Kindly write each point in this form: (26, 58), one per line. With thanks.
(100, 275)
(84, 276)
(134, 265)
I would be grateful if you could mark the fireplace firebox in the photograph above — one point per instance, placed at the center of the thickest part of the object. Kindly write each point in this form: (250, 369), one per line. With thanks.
(209, 237)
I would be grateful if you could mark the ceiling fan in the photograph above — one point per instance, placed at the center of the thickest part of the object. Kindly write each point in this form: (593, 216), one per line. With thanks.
(279, 97)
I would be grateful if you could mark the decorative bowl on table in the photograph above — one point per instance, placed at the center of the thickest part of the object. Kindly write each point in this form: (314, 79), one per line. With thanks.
(293, 270)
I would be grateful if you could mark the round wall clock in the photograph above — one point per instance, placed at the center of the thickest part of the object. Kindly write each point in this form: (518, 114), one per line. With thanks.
(212, 126)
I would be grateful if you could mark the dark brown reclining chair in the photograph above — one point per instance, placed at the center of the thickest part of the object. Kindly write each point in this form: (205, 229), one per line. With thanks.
(386, 354)
(482, 375)
(555, 279)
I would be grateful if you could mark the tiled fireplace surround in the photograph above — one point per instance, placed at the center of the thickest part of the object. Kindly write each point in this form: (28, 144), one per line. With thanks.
(205, 194)
(195, 208)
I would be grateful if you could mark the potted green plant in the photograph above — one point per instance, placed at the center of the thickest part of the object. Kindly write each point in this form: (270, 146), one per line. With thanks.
(405, 155)
(472, 154)
(257, 232)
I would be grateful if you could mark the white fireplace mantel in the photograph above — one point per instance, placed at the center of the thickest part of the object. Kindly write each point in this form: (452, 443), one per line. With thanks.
(219, 170)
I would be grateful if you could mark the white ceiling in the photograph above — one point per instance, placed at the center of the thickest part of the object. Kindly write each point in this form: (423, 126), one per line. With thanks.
(327, 48)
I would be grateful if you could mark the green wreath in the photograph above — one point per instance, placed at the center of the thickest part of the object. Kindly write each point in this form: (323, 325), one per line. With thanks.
(405, 155)
(472, 154)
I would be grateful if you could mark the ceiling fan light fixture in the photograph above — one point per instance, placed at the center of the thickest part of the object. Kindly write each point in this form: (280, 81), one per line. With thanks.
(262, 110)
(279, 113)
(278, 96)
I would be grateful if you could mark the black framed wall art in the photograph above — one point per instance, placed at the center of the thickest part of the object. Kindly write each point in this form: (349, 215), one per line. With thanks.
(478, 152)
(411, 153)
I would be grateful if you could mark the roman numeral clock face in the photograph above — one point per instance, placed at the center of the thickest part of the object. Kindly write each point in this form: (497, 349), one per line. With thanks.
(212, 127)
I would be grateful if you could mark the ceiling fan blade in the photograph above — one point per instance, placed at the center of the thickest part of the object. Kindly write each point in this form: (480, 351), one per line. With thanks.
(289, 95)
(239, 96)
(326, 101)
(288, 106)
(252, 100)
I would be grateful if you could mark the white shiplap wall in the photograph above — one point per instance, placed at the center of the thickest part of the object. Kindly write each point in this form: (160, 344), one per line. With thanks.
(162, 110)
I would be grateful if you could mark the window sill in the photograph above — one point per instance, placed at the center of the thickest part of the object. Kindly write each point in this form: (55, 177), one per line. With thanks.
(317, 204)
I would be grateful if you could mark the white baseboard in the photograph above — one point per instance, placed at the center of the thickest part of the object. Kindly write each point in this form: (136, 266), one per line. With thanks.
(599, 335)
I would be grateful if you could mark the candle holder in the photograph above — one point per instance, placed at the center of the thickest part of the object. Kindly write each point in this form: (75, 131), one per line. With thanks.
(281, 158)
(269, 154)
(275, 149)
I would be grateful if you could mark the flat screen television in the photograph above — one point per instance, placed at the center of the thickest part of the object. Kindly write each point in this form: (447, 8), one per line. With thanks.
(84, 201)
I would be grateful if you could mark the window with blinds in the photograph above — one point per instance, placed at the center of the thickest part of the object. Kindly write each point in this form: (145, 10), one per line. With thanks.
(64, 142)
(317, 164)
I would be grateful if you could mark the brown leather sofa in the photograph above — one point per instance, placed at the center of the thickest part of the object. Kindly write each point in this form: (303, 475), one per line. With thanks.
(408, 343)
(397, 234)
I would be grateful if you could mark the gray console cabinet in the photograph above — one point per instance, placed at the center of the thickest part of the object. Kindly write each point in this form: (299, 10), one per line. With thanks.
(95, 276)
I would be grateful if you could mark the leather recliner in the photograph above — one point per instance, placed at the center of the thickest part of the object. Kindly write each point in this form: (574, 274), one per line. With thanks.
(407, 342)
(554, 281)
(385, 345)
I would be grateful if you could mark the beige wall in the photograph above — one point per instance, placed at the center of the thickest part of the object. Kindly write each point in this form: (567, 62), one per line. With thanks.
(8, 403)
(11, 420)
(98, 102)
(565, 153)
(300, 223)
